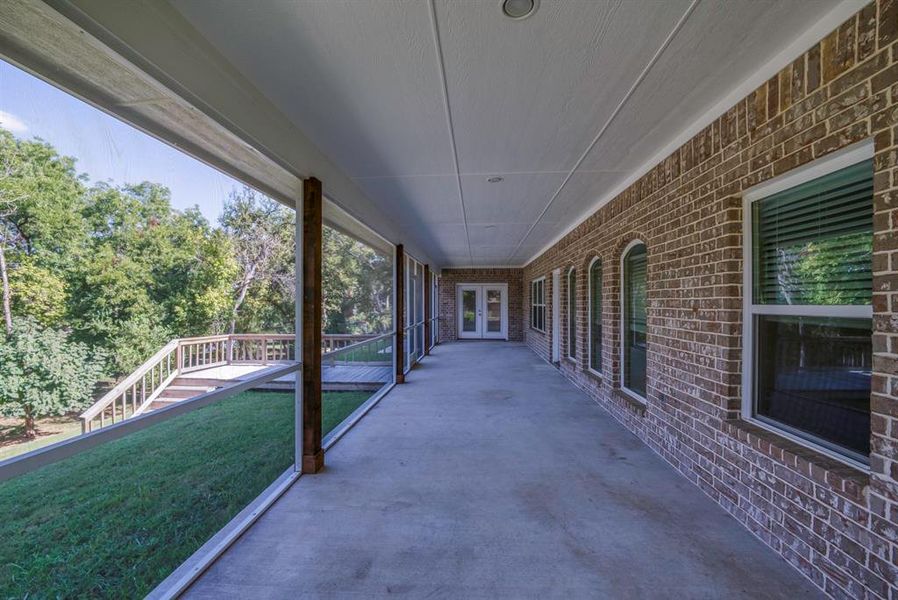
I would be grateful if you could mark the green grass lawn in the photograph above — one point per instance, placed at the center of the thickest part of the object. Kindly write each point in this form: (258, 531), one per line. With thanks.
(115, 520)
(51, 430)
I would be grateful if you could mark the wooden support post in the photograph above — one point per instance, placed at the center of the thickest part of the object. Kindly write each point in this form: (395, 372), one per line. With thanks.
(312, 453)
(427, 309)
(399, 286)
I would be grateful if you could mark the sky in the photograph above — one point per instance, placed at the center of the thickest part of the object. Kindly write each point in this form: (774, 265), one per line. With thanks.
(106, 149)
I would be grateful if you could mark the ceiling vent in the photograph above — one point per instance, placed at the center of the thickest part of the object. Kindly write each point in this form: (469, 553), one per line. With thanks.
(519, 9)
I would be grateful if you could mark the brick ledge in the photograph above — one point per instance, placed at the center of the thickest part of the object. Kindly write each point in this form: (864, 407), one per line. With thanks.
(635, 406)
(841, 478)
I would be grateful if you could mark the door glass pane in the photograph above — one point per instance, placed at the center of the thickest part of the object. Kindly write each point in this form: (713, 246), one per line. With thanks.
(635, 320)
(469, 310)
(493, 311)
(814, 376)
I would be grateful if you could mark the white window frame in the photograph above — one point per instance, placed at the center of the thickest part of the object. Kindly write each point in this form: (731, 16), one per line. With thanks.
(846, 157)
(434, 310)
(542, 306)
(623, 322)
(589, 315)
(414, 275)
(571, 315)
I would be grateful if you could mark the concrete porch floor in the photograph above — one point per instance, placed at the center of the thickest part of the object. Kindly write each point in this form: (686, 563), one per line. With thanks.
(488, 475)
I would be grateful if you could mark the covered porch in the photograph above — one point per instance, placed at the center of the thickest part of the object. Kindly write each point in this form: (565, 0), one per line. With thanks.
(489, 475)
(671, 212)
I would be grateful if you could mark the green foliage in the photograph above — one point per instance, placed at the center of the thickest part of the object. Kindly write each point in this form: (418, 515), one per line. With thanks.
(38, 293)
(123, 271)
(41, 197)
(43, 373)
(825, 271)
(357, 286)
(262, 235)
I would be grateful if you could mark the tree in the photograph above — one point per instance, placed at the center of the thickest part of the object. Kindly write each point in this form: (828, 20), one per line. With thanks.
(357, 286)
(41, 197)
(262, 237)
(43, 373)
(38, 293)
(154, 273)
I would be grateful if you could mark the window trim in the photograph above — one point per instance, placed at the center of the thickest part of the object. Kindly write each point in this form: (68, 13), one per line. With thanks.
(623, 323)
(533, 304)
(571, 315)
(841, 159)
(596, 259)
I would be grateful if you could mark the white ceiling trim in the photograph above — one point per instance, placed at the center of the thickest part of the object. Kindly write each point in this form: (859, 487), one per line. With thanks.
(800, 44)
(439, 56)
(604, 128)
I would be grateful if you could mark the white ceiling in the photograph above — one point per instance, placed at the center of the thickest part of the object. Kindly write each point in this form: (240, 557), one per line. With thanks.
(420, 102)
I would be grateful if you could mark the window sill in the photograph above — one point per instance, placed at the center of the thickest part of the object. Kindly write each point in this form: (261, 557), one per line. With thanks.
(538, 330)
(842, 478)
(635, 406)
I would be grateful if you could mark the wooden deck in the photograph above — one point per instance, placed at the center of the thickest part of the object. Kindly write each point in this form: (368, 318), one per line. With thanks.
(188, 367)
(355, 374)
(342, 377)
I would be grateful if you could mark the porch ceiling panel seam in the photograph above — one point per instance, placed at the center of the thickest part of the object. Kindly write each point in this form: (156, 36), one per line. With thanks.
(440, 65)
(645, 71)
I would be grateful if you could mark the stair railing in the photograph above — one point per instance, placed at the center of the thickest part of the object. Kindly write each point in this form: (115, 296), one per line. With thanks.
(136, 391)
(134, 394)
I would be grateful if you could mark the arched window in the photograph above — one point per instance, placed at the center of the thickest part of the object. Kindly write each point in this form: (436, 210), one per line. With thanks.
(595, 315)
(572, 314)
(633, 319)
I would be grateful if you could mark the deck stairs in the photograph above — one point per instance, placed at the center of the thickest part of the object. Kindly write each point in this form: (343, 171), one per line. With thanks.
(184, 388)
(188, 367)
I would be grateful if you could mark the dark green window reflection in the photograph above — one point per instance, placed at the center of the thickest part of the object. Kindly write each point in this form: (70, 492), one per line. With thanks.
(595, 316)
(572, 314)
(634, 334)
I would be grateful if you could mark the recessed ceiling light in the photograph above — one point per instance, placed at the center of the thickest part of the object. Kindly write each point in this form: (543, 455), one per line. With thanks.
(519, 9)
(495, 179)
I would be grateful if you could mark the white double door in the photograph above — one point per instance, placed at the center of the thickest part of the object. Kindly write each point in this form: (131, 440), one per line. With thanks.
(482, 311)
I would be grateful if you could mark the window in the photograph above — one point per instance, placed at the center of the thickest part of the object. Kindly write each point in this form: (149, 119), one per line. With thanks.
(572, 314)
(538, 304)
(633, 349)
(809, 269)
(595, 315)
(434, 308)
(414, 307)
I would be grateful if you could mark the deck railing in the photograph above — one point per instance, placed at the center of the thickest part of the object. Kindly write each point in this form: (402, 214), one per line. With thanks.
(134, 394)
(371, 351)
(334, 341)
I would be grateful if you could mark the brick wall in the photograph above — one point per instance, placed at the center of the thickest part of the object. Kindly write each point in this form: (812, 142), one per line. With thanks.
(836, 524)
(448, 314)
